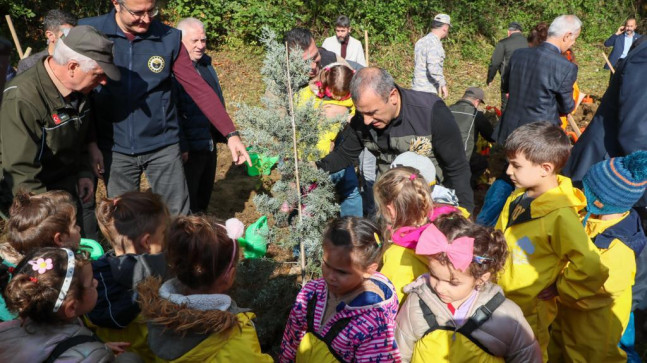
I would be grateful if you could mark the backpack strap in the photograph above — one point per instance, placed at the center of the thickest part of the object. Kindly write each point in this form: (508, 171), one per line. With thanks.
(481, 315)
(430, 318)
(310, 313)
(68, 343)
(336, 328)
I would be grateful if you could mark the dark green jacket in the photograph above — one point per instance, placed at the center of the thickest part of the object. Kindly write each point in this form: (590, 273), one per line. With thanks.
(42, 138)
(502, 53)
(471, 122)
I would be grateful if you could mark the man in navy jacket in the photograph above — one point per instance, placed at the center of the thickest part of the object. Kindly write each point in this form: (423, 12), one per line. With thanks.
(621, 41)
(540, 80)
(137, 124)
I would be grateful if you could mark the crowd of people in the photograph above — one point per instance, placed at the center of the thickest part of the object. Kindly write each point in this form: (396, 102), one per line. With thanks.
(544, 273)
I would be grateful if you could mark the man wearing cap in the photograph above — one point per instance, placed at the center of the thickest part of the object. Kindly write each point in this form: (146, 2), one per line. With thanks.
(45, 116)
(137, 124)
(502, 53)
(429, 57)
(472, 123)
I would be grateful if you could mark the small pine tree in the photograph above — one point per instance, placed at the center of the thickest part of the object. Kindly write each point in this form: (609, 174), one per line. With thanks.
(269, 130)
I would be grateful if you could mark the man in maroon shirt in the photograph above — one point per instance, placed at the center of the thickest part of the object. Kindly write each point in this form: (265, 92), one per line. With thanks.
(137, 125)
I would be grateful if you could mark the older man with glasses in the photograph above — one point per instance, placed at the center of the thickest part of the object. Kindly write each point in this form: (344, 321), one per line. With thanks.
(136, 123)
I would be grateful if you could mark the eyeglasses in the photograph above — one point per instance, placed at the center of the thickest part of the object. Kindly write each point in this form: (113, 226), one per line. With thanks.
(140, 14)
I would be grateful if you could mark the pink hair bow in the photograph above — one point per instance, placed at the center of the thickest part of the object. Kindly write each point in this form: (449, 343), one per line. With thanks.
(460, 252)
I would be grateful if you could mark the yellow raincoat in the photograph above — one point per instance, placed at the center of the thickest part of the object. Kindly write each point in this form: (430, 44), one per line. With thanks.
(547, 245)
(177, 324)
(590, 331)
(136, 333)
(236, 346)
(402, 266)
(326, 136)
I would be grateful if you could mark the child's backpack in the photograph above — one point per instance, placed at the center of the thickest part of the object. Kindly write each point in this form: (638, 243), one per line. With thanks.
(457, 345)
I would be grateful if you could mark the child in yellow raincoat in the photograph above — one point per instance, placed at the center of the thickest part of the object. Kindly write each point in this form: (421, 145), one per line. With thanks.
(549, 251)
(455, 313)
(590, 331)
(190, 317)
(407, 204)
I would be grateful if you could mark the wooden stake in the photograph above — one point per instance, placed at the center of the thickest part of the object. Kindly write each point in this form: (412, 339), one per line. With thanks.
(302, 249)
(571, 120)
(573, 124)
(27, 53)
(366, 46)
(606, 59)
(14, 36)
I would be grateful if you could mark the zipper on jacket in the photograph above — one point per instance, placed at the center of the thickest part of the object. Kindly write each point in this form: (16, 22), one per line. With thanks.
(131, 131)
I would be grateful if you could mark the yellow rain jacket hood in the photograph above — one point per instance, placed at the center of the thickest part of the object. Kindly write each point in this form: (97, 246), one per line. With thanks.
(193, 328)
(547, 245)
(606, 314)
(504, 336)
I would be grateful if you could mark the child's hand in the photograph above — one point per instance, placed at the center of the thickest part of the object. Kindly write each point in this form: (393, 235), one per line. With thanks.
(548, 293)
(118, 347)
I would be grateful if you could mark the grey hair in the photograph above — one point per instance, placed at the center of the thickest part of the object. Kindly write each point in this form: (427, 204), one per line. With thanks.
(372, 78)
(564, 24)
(186, 23)
(64, 54)
(56, 18)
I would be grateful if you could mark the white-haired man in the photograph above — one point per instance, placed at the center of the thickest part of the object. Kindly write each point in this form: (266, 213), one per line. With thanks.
(197, 134)
(540, 80)
(45, 116)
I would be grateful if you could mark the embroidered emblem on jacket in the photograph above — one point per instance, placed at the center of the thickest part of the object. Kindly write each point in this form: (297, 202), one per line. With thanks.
(156, 63)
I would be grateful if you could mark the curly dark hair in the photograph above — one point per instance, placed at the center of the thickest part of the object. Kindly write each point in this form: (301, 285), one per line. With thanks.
(488, 243)
(36, 299)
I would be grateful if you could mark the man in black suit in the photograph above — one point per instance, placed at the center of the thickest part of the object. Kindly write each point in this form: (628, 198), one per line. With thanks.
(502, 53)
(540, 80)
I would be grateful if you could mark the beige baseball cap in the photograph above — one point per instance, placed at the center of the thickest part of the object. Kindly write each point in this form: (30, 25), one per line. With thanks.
(443, 18)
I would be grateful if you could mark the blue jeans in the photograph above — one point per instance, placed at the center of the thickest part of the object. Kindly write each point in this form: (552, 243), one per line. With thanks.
(347, 186)
(164, 171)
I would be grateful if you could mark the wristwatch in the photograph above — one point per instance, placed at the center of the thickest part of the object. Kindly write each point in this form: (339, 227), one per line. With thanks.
(232, 134)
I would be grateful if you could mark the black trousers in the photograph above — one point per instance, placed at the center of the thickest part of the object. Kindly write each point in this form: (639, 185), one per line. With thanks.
(200, 172)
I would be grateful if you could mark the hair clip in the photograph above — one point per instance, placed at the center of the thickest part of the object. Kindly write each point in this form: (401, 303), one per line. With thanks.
(482, 259)
(69, 274)
(33, 279)
(41, 265)
(377, 240)
(11, 270)
(412, 177)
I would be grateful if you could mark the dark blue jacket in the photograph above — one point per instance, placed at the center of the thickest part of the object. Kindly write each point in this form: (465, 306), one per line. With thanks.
(540, 83)
(619, 126)
(196, 132)
(138, 114)
(118, 277)
(618, 43)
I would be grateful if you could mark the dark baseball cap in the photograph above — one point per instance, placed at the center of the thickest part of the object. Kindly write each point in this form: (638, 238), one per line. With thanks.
(515, 26)
(91, 43)
(475, 93)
